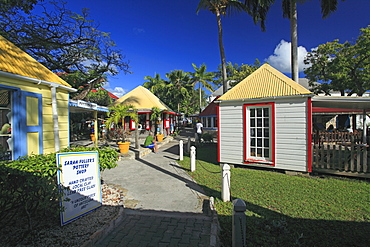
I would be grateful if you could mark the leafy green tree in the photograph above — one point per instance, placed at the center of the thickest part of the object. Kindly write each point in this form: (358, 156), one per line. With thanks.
(343, 67)
(154, 84)
(178, 91)
(202, 77)
(100, 97)
(65, 42)
(14, 5)
(177, 88)
(236, 73)
(255, 8)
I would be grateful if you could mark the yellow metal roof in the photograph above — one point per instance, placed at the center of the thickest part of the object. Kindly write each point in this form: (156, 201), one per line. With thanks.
(16, 61)
(142, 99)
(265, 82)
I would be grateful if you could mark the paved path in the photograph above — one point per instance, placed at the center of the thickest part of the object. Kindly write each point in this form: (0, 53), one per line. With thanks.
(163, 206)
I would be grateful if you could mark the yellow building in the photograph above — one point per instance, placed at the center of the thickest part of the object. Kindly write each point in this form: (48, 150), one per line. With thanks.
(34, 112)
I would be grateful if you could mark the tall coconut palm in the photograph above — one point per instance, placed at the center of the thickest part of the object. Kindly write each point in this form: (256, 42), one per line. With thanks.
(290, 11)
(154, 84)
(203, 77)
(178, 87)
(256, 8)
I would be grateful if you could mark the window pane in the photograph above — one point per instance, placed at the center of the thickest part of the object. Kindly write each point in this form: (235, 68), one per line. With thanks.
(259, 142)
(259, 122)
(266, 122)
(253, 142)
(266, 112)
(259, 132)
(266, 133)
(252, 113)
(266, 143)
(253, 132)
(259, 112)
(253, 152)
(259, 152)
(253, 123)
(266, 153)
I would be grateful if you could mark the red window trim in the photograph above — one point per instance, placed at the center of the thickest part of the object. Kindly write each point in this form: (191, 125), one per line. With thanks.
(245, 146)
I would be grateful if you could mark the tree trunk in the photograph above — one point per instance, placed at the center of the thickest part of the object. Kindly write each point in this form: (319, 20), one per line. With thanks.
(222, 51)
(200, 98)
(294, 38)
(137, 136)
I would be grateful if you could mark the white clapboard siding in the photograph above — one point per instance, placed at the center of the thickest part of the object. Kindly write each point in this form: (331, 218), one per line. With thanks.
(231, 134)
(291, 135)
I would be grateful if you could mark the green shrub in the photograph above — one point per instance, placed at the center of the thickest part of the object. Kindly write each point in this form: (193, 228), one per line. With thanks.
(29, 188)
(26, 194)
(108, 157)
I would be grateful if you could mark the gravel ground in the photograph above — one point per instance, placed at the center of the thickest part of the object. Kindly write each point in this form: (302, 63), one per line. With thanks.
(73, 234)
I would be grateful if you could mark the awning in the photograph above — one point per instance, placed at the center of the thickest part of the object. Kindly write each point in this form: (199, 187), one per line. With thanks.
(334, 111)
(360, 105)
(342, 103)
(78, 106)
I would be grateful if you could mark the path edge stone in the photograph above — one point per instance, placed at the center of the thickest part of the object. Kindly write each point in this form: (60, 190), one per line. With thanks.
(106, 229)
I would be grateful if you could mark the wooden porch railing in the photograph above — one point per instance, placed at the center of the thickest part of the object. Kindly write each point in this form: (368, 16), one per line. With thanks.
(347, 158)
(337, 137)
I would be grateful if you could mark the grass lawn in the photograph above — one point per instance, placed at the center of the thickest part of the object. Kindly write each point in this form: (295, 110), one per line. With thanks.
(285, 210)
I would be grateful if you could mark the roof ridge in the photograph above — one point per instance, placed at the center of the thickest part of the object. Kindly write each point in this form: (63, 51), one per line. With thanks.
(16, 61)
(265, 82)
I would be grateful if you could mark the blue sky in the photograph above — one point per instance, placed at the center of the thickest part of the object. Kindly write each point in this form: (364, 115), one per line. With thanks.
(163, 35)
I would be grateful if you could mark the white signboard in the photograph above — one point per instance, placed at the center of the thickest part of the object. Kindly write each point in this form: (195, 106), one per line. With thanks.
(87, 105)
(80, 177)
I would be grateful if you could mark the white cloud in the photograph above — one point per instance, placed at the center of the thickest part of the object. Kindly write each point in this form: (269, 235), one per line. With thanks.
(118, 91)
(281, 57)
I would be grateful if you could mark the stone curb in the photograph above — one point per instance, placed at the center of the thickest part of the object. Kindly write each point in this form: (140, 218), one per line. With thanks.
(105, 230)
(215, 225)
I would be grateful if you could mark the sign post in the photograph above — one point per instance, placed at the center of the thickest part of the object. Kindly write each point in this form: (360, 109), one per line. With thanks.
(79, 178)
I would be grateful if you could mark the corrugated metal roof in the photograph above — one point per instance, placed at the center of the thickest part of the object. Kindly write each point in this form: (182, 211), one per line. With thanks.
(265, 82)
(142, 99)
(14, 60)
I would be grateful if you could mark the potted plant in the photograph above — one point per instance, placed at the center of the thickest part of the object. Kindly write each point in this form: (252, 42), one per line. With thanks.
(156, 118)
(117, 114)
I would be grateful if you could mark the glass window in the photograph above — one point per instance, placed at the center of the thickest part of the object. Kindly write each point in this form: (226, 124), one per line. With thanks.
(259, 129)
(5, 125)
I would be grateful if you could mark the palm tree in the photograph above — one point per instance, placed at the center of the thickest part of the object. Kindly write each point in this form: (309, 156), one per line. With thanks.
(154, 84)
(290, 11)
(118, 113)
(200, 75)
(178, 87)
(155, 118)
(256, 8)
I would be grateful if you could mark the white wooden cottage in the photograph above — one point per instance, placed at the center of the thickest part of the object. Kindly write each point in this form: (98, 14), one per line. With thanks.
(266, 121)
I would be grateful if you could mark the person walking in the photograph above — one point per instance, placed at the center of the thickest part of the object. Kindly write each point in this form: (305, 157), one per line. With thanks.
(199, 130)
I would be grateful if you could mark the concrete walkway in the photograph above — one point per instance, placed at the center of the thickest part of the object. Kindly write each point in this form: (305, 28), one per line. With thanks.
(164, 206)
